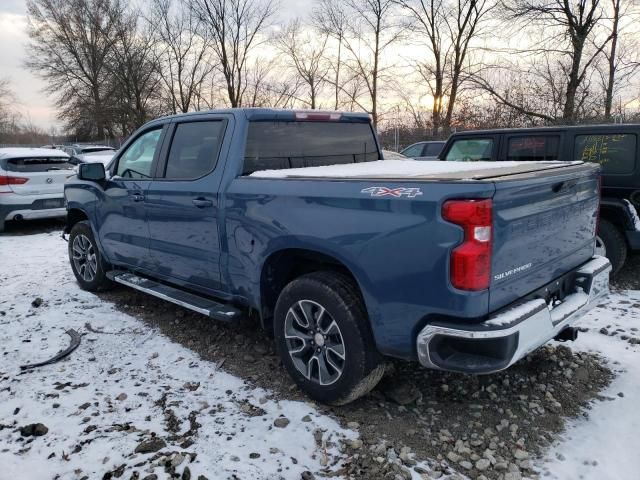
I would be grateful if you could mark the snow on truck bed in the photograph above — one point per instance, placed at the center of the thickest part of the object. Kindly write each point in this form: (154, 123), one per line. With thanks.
(414, 168)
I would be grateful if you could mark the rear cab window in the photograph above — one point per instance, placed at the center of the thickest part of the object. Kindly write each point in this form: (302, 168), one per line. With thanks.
(532, 148)
(470, 150)
(36, 164)
(615, 152)
(277, 145)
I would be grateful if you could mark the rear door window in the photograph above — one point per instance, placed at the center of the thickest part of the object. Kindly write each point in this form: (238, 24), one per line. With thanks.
(282, 145)
(37, 164)
(470, 150)
(194, 149)
(616, 152)
(531, 148)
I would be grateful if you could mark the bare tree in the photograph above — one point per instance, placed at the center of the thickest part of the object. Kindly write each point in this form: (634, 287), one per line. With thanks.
(182, 53)
(371, 31)
(135, 70)
(575, 22)
(236, 28)
(449, 29)
(330, 18)
(304, 53)
(71, 41)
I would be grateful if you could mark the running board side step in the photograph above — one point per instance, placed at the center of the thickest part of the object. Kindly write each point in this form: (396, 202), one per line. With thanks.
(199, 304)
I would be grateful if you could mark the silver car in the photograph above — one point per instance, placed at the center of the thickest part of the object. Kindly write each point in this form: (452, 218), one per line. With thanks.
(32, 183)
(424, 150)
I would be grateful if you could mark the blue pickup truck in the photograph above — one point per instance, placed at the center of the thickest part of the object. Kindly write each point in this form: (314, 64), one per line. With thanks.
(293, 217)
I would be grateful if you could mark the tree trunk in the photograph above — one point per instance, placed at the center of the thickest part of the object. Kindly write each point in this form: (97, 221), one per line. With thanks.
(608, 100)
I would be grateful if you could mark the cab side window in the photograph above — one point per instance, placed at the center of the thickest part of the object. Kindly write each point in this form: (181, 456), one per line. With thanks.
(194, 149)
(533, 148)
(137, 159)
(616, 153)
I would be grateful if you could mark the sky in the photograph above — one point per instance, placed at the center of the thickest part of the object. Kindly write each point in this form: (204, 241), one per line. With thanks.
(29, 89)
(33, 102)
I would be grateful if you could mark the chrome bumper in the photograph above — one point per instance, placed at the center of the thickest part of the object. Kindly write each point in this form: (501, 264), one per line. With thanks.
(506, 337)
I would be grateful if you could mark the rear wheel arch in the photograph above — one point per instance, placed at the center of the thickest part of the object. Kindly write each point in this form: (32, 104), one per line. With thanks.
(283, 266)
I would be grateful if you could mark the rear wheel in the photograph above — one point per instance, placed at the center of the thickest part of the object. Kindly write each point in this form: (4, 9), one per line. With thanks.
(86, 261)
(324, 339)
(610, 242)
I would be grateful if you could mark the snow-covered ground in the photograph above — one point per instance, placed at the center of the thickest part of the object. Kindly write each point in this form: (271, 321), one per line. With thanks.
(606, 444)
(123, 386)
(127, 384)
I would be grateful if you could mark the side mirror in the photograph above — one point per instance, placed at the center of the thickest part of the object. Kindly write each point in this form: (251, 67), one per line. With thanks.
(93, 172)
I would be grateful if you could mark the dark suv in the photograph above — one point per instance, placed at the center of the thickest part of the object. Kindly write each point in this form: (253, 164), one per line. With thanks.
(615, 147)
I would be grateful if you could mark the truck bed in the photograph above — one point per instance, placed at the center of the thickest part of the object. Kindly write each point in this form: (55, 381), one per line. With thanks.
(416, 170)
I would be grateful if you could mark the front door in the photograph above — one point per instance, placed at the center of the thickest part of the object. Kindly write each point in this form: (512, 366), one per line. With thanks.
(182, 204)
(123, 230)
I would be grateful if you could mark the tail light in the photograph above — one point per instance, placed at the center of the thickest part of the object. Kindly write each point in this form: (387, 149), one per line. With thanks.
(471, 261)
(7, 180)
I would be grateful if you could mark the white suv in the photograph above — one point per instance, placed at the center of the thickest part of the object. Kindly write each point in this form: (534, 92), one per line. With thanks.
(32, 183)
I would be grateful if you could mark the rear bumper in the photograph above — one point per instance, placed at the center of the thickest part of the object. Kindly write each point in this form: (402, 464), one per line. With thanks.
(31, 208)
(509, 335)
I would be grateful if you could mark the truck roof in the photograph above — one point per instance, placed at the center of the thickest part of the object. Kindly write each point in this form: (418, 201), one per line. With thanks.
(555, 128)
(265, 114)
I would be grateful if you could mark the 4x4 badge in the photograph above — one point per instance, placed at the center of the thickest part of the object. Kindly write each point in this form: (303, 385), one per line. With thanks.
(392, 192)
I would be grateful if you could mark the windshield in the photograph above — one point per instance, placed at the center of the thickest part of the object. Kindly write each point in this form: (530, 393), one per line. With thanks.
(470, 150)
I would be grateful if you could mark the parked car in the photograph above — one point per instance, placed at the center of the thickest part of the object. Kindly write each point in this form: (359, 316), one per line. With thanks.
(614, 147)
(31, 183)
(54, 147)
(391, 155)
(424, 150)
(347, 259)
(90, 154)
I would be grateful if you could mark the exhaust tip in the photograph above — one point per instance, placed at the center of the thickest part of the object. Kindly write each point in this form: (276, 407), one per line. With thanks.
(18, 217)
(567, 334)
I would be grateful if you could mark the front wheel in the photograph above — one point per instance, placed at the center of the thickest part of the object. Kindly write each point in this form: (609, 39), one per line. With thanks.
(324, 339)
(86, 261)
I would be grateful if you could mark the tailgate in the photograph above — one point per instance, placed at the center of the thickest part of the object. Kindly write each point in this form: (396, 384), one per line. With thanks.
(544, 227)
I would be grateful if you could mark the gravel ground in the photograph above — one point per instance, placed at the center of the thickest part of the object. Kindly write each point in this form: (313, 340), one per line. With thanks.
(490, 427)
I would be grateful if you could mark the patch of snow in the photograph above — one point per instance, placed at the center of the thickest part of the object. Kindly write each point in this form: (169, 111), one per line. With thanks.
(407, 168)
(594, 265)
(24, 152)
(93, 428)
(516, 313)
(604, 444)
(634, 214)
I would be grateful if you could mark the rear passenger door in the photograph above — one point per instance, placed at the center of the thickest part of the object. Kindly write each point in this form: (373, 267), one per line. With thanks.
(182, 202)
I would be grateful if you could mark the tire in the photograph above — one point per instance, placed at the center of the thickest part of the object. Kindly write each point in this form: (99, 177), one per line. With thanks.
(86, 261)
(333, 299)
(614, 244)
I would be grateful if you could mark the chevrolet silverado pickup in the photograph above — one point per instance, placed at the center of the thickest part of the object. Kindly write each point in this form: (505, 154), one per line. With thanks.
(292, 217)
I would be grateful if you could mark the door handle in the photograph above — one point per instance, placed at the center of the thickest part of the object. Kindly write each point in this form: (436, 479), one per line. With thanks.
(202, 202)
(137, 197)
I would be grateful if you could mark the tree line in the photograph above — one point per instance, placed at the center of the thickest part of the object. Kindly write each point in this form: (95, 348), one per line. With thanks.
(431, 66)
